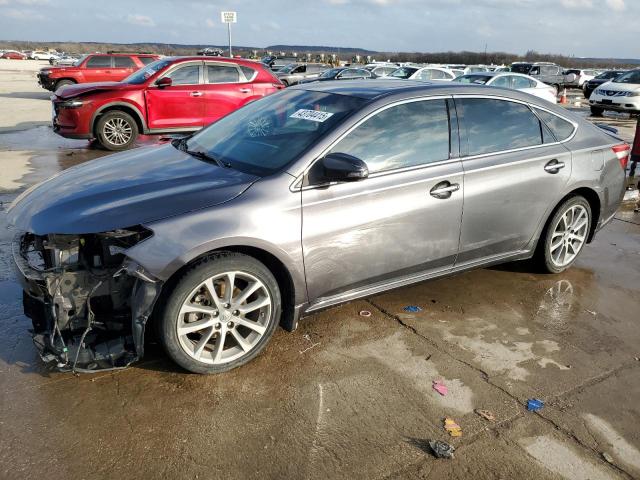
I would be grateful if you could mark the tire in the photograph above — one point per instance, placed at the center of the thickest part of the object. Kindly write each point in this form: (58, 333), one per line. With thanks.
(197, 350)
(285, 83)
(597, 111)
(556, 257)
(63, 83)
(116, 130)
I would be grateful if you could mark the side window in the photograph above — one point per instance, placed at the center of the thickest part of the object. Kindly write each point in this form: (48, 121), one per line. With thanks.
(560, 128)
(348, 74)
(124, 62)
(438, 75)
(146, 60)
(222, 74)
(406, 135)
(249, 73)
(363, 73)
(503, 82)
(534, 71)
(99, 61)
(497, 125)
(424, 75)
(187, 75)
(522, 82)
(300, 69)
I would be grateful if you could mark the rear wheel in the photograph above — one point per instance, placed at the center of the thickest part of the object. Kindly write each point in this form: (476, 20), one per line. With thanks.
(221, 313)
(597, 111)
(565, 235)
(116, 130)
(64, 83)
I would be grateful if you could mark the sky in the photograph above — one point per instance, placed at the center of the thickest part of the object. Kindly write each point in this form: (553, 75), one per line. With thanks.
(591, 28)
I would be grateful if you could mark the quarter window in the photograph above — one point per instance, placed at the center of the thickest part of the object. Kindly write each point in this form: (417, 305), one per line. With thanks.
(560, 128)
(187, 75)
(222, 74)
(146, 60)
(101, 61)
(405, 135)
(522, 82)
(249, 72)
(496, 125)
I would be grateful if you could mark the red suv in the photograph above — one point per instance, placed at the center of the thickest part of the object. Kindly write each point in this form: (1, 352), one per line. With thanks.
(97, 67)
(178, 94)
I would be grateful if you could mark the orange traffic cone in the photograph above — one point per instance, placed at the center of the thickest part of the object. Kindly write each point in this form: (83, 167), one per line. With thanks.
(563, 97)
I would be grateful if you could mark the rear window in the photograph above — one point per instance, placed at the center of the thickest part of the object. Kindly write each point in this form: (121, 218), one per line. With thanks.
(560, 128)
(146, 60)
(124, 62)
(497, 125)
(101, 61)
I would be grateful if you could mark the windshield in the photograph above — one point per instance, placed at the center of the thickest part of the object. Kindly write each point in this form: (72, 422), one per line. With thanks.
(475, 79)
(79, 61)
(609, 75)
(330, 73)
(145, 73)
(403, 72)
(630, 77)
(266, 135)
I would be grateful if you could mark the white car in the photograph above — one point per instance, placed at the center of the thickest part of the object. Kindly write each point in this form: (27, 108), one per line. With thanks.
(620, 95)
(422, 73)
(40, 55)
(514, 81)
(576, 77)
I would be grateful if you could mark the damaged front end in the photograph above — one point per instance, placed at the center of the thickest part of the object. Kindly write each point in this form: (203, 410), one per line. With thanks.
(88, 302)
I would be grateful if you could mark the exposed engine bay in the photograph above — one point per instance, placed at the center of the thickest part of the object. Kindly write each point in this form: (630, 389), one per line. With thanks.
(88, 302)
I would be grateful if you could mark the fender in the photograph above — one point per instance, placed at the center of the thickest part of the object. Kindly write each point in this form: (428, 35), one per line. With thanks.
(116, 104)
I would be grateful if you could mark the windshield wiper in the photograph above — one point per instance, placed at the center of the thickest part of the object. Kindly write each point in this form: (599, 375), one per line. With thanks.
(181, 145)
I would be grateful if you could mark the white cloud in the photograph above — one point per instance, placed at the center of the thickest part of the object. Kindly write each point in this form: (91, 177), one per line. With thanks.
(33, 2)
(140, 20)
(617, 5)
(577, 3)
(210, 23)
(21, 14)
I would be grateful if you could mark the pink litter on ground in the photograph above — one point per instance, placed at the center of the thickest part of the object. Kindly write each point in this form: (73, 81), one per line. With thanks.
(440, 387)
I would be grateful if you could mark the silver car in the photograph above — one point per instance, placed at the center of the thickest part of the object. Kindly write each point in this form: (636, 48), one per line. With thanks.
(294, 73)
(305, 199)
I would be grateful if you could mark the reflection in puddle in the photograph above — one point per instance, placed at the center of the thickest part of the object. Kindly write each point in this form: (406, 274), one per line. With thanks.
(555, 306)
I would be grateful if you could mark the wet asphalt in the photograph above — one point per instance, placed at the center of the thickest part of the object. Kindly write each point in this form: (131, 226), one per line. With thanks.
(347, 395)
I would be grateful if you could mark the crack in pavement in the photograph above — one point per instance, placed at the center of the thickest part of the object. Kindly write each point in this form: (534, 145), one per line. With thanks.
(486, 378)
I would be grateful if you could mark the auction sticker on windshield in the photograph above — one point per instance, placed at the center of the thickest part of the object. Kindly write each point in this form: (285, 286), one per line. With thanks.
(313, 115)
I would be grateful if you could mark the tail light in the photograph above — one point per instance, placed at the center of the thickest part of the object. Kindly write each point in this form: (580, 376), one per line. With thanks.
(622, 152)
(279, 86)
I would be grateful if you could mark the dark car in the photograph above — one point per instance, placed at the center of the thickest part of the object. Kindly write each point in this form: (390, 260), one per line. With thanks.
(342, 73)
(546, 72)
(308, 198)
(590, 85)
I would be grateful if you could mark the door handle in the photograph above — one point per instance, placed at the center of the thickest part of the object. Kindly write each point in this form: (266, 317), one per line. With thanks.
(443, 190)
(553, 166)
(245, 90)
(196, 94)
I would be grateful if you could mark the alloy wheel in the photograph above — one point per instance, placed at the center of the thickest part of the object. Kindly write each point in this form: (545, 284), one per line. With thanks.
(117, 131)
(224, 318)
(569, 235)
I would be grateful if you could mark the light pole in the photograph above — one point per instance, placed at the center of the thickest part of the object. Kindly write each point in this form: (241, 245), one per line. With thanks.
(229, 18)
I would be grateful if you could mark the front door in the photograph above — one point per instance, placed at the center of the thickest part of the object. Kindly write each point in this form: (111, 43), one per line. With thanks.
(98, 69)
(514, 169)
(180, 105)
(401, 222)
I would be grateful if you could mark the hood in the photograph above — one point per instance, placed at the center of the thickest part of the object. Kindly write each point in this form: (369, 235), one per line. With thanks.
(620, 87)
(75, 90)
(126, 189)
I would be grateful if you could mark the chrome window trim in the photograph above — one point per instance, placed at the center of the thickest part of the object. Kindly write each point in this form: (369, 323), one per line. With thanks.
(528, 104)
(296, 184)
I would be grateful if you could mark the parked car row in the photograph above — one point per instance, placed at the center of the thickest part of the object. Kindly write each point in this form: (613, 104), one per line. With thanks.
(621, 94)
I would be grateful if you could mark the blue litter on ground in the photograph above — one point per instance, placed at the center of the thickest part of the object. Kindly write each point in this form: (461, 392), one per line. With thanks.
(412, 308)
(533, 404)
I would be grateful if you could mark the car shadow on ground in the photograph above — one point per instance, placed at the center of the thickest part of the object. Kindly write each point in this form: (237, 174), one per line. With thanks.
(28, 95)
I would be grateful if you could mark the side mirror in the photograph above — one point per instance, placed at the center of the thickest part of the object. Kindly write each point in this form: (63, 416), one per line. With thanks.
(164, 82)
(341, 167)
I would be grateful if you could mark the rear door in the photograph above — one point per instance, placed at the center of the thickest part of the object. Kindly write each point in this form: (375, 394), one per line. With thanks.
(98, 68)
(225, 90)
(122, 68)
(514, 168)
(402, 221)
(181, 105)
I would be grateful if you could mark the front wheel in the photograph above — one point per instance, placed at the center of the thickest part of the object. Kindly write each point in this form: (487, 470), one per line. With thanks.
(597, 111)
(220, 314)
(116, 130)
(565, 235)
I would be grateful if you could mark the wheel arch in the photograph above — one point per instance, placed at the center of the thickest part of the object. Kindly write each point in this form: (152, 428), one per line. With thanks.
(283, 275)
(123, 107)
